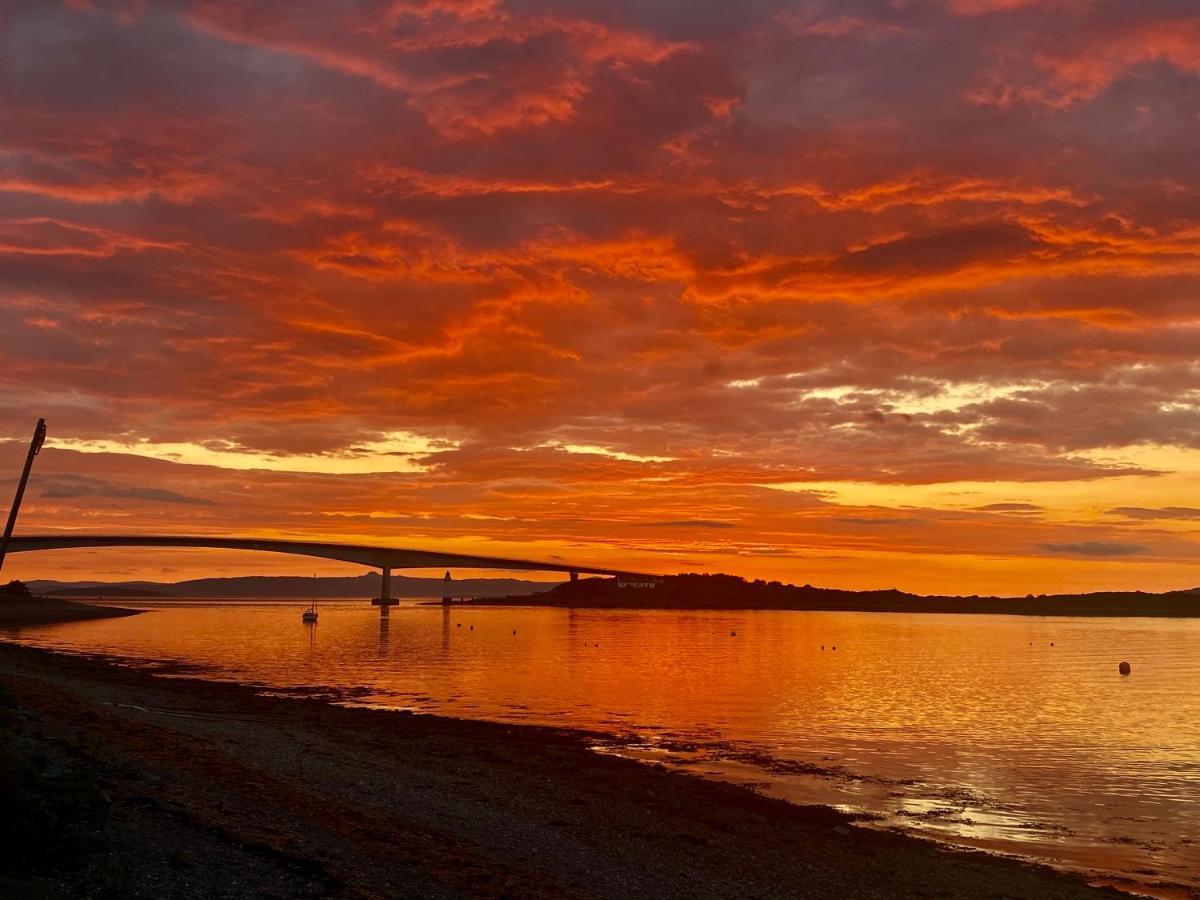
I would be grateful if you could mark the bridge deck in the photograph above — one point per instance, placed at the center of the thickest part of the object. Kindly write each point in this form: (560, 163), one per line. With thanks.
(377, 557)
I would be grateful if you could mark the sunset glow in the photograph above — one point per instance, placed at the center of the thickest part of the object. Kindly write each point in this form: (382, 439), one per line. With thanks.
(857, 294)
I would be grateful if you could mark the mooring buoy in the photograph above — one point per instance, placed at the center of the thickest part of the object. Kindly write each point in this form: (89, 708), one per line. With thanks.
(1124, 668)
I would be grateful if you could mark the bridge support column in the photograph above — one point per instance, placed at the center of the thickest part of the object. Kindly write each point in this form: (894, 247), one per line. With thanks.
(385, 599)
(574, 576)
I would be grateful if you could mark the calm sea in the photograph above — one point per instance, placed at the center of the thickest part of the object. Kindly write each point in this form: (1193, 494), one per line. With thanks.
(1008, 733)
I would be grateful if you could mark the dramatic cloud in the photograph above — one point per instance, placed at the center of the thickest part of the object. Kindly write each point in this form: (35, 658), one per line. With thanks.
(807, 289)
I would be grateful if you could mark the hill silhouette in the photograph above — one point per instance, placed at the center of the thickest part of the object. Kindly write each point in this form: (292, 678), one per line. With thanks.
(692, 591)
(258, 587)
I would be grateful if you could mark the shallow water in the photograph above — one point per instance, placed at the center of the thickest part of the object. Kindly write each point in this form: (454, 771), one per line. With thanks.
(1015, 734)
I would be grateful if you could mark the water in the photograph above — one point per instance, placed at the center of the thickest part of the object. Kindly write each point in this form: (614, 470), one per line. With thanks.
(1008, 733)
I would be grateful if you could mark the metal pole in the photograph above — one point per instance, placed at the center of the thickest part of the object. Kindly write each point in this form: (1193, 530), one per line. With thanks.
(35, 447)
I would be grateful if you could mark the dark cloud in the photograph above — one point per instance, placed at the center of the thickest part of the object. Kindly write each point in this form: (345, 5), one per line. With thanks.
(1167, 512)
(1095, 548)
(74, 487)
(945, 250)
(871, 521)
(1016, 508)
(689, 523)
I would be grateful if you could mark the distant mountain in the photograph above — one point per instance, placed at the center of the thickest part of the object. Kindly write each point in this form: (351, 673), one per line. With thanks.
(108, 591)
(289, 586)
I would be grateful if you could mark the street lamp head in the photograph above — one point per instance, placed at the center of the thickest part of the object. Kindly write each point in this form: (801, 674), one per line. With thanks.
(39, 437)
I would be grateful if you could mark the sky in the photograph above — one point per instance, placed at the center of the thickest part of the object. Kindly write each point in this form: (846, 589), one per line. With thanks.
(867, 293)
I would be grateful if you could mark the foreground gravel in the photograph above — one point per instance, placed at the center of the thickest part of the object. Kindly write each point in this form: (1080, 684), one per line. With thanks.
(132, 785)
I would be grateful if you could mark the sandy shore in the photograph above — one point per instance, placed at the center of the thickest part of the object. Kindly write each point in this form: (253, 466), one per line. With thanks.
(129, 785)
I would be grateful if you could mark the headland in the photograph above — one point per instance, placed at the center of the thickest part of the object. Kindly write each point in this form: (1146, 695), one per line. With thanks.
(19, 607)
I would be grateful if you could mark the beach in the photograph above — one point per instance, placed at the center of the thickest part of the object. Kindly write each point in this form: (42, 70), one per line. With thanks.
(135, 785)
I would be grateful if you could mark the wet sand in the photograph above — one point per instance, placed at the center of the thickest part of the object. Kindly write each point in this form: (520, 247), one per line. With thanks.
(134, 785)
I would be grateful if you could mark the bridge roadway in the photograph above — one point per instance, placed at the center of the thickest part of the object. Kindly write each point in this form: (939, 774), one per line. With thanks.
(383, 558)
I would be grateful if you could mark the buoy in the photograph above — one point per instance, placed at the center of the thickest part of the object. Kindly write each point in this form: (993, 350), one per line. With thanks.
(835, 646)
(1052, 643)
(1124, 668)
(459, 625)
(514, 631)
(472, 627)
(733, 634)
(822, 646)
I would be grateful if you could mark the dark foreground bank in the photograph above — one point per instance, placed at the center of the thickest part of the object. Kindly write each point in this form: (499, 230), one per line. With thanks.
(117, 783)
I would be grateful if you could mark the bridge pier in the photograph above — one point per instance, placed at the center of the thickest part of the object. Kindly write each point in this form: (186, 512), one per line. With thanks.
(574, 576)
(385, 599)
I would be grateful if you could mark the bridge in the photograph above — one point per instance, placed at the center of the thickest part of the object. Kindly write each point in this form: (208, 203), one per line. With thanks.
(383, 558)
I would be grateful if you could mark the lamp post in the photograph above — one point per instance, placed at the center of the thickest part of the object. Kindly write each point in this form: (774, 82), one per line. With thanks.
(35, 446)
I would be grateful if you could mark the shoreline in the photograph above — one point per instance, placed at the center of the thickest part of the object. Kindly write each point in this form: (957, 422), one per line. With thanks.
(16, 613)
(943, 606)
(730, 592)
(1184, 604)
(316, 797)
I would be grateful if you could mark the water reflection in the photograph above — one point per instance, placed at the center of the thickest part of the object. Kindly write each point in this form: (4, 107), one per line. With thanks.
(1003, 732)
(385, 624)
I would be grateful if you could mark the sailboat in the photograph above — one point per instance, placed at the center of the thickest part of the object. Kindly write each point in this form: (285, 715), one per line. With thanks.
(310, 614)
